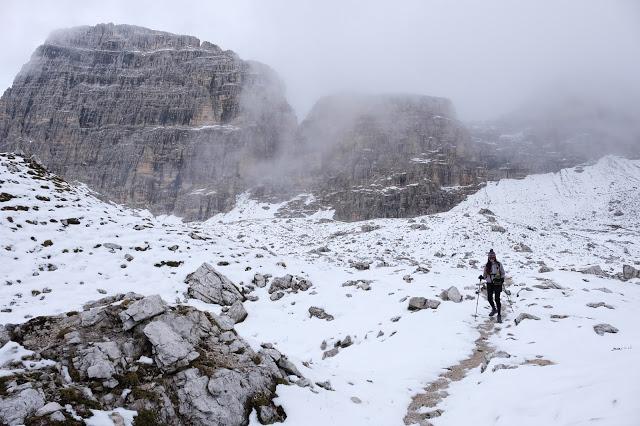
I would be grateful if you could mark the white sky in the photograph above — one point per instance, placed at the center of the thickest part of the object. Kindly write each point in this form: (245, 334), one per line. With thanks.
(488, 56)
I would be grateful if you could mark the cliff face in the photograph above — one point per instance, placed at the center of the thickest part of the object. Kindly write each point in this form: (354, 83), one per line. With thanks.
(387, 155)
(147, 118)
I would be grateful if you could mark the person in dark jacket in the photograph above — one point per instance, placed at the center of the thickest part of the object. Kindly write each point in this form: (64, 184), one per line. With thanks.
(494, 276)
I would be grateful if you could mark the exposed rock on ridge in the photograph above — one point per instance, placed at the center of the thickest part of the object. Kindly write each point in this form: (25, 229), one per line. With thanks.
(174, 366)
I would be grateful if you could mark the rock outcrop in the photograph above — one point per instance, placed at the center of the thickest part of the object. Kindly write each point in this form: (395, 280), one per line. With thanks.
(210, 286)
(387, 155)
(147, 118)
(174, 366)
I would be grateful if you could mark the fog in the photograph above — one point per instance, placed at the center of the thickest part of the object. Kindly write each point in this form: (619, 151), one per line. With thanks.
(488, 57)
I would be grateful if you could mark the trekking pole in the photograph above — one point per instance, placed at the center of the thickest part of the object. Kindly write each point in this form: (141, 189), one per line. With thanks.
(478, 297)
(509, 299)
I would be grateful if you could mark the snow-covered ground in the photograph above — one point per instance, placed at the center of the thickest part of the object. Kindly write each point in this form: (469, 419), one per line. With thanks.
(570, 221)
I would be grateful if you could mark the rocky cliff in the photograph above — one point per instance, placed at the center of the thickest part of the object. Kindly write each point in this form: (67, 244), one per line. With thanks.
(387, 155)
(175, 125)
(147, 118)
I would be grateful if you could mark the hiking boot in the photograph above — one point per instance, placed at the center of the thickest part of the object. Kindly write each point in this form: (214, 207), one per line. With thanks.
(499, 318)
(493, 312)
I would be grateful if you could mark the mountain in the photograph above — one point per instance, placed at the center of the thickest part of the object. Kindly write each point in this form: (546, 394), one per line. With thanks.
(147, 118)
(178, 126)
(370, 323)
(175, 125)
(387, 155)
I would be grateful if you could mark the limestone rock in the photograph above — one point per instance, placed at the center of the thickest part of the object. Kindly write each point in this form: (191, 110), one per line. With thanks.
(523, 316)
(170, 350)
(593, 270)
(601, 329)
(49, 408)
(290, 284)
(20, 405)
(418, 303)
(200, 374)
(629, 272)
(210, 286)
(141, 310)
(451, 294)
(237, 312)
(319, 313)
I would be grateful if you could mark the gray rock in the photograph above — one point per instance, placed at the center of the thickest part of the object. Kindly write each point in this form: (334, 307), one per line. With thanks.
(170, 350)
(49, 408)
(544, 268)
(418, 303)
(360, 265)
(288, 367)
(98, 360)
(523, 316)
(319, 313)
(112, 246)
(5, 336)
(20, 405)
(599, 305)
(522, 248)
(346, 342)
(451, 294)
(269, 414)
(57, 417)
(593, 270)
(141, 310)
(330, 353)
(290, 284)
(276, 296)
(601, 329)
(325, 385)
(498, 228)
(629, 272)
(237, 312)
(360, 284)
(210, 286)
(259, 280)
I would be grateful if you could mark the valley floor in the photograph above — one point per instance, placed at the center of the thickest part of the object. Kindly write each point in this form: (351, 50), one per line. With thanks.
(550, 231)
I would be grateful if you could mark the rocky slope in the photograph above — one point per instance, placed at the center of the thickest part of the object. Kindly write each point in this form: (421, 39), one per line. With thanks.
(377, 317)
(147, 118)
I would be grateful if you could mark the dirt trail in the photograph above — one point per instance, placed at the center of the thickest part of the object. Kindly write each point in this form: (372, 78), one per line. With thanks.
(424, 405)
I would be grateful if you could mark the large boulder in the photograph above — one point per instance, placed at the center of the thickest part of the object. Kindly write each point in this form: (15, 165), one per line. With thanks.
(211, 286)
(418, 303)
(19, 405)
(237, 312)
(452, 294)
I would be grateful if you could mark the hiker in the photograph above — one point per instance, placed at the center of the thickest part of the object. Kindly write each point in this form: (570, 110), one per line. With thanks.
(494, 276)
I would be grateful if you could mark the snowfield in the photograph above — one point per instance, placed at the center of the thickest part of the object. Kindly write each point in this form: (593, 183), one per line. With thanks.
(563, 239)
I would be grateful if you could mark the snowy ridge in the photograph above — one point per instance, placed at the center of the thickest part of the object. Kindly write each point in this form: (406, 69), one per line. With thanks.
(559, 370)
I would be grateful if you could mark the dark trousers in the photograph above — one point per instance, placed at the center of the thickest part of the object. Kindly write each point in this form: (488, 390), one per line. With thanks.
(493, 291)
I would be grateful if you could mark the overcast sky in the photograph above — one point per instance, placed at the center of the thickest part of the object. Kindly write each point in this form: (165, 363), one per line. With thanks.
(488, 56)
